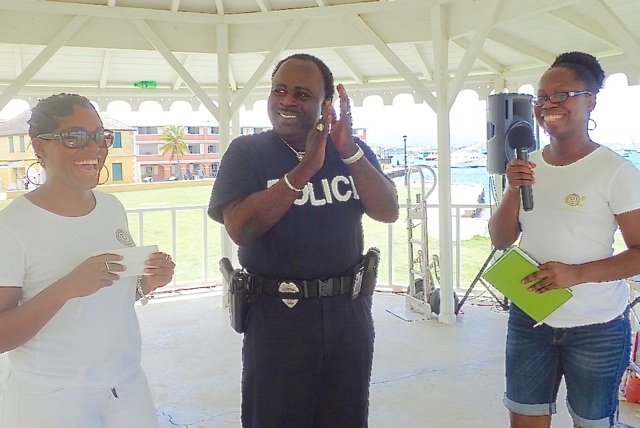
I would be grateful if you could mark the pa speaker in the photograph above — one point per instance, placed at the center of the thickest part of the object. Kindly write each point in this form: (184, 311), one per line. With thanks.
(503, 112)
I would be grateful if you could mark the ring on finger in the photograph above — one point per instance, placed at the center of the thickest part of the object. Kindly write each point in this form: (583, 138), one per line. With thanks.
(320, 127)
(167, 257)
(107, 265)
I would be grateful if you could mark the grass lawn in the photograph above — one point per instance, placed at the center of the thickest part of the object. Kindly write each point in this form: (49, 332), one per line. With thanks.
(189, 242)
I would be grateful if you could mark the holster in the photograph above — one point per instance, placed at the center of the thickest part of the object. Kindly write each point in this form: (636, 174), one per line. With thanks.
(240, 294)
(365, 274)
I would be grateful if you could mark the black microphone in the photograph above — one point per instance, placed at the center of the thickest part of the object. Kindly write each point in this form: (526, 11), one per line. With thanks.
(520, 138)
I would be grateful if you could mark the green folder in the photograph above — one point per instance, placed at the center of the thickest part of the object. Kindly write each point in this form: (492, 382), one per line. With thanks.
(506, 274)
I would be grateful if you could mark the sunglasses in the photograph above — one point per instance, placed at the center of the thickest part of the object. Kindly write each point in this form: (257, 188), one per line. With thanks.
(77, 138)
(557, 97)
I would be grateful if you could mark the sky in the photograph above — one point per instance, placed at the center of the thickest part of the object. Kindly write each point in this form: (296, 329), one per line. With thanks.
(617, 115)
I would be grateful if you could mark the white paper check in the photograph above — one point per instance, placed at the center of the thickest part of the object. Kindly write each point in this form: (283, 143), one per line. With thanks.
(134, 258)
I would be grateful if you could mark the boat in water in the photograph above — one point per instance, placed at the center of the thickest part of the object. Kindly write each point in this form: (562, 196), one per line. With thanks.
(468, 157)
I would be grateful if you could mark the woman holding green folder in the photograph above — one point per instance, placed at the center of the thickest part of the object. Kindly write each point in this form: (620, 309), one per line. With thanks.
(583, 192)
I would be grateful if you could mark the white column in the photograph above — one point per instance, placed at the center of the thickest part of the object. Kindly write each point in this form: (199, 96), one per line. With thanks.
(441, 75)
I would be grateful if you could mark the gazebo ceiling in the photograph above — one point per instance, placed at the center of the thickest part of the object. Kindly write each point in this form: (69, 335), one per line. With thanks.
(100, 48)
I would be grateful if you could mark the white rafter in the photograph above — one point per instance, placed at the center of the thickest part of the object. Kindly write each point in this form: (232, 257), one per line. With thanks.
(421, 59)
(264, 5)
(178, 82)
(175, 5)
(616, 28)
(220, 7)
(162, 48)
(351, 67)
(587, 26)
(266, 64)
(485, 59)
(470, 55)
(17, 59)
(518, 46)
(45, 55)
(104, 71)
(391, 58)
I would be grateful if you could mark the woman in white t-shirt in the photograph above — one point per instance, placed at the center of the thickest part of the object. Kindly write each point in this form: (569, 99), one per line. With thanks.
(68, 319)
(583, 192)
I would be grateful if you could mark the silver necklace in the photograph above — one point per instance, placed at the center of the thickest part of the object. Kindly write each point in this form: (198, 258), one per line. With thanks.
(299, 155)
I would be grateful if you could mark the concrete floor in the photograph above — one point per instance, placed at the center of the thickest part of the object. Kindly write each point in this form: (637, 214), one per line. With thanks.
(425, 374)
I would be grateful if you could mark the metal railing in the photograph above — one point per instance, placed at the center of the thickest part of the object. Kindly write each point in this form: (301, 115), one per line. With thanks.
(206, 277)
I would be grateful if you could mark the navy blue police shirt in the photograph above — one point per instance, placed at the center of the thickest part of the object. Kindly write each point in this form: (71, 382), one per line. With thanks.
(321, 235)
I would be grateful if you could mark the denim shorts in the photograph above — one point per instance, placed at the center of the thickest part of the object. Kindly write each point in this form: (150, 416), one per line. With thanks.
(591, 358)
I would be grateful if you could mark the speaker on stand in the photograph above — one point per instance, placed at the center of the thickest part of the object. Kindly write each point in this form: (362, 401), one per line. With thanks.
(504, 111)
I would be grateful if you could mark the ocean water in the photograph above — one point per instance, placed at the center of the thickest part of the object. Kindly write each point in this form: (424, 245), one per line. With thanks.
(480, 175)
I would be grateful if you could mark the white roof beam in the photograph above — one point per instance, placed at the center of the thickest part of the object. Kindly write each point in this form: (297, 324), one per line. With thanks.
(352, 69)
(488, 20)
(233, 85)
(616, 28)
(160, 46)
(39, 61)
(266, 64)
(175, 5)
(204, 18)
(111, 3)
(421, 59)
(178, 82)
(392, 58)
(591, 28)
(321, 3)
(220, 7)
(17, 59)
(264, 5)
(104, 71)
(517, 46)
(485, 59)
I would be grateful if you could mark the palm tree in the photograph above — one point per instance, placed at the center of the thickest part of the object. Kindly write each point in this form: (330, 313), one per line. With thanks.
(173, 135)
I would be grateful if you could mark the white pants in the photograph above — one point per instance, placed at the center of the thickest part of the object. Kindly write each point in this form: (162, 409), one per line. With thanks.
(33, 405)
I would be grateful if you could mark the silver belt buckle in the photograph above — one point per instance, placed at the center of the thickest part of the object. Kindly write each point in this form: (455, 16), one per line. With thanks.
(288, 287)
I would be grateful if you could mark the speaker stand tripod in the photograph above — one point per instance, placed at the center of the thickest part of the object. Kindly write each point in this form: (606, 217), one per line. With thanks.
(503, 303)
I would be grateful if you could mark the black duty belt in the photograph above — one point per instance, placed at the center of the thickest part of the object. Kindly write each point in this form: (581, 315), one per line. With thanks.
(314, 288)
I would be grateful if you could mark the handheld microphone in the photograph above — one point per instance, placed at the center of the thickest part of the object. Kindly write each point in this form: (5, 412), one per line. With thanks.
(520, 138)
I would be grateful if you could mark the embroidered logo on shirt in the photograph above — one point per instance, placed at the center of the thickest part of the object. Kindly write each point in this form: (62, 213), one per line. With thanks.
(574, 200)
(124, 238)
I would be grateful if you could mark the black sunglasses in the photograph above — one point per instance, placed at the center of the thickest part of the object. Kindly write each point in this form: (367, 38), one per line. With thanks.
(78, 138)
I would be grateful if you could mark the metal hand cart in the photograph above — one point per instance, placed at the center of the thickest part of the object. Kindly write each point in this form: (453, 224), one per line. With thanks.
(422, 269)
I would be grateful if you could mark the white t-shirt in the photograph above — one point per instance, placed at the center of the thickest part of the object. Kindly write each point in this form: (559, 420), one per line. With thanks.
(573, 222)
(90, 341)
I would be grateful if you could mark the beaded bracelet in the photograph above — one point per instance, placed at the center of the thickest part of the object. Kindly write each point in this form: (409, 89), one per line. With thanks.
(355, 158)
(286, 181)
(144, 298)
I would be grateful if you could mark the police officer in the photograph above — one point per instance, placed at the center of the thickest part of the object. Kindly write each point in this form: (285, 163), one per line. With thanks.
(292, 198)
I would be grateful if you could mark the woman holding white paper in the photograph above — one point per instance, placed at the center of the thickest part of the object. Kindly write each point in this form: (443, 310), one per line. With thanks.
(583, 192)
(67, 317)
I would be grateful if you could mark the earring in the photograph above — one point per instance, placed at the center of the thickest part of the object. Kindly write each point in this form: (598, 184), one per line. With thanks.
(108, 175)
(595, 125)
(37, 172)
